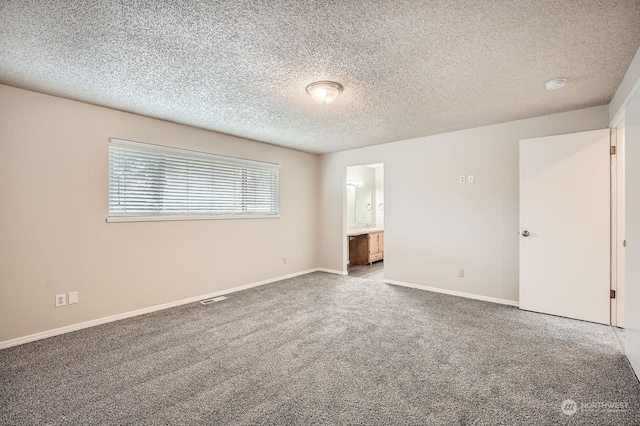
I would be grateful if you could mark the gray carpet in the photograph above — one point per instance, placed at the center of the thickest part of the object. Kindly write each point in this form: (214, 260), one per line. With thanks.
(324, 349)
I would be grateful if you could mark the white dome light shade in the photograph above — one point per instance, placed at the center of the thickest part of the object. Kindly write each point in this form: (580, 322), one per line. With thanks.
(556, 83)
(324, 92)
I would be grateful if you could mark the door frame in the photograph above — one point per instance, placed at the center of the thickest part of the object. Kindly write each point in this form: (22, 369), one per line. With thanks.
(345, 242)
(617, 223)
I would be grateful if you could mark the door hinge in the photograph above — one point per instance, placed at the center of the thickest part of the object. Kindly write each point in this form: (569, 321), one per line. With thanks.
(624, 243)
(612, 150)
(612, 294)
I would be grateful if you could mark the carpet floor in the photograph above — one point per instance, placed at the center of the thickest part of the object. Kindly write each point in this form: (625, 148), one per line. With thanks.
(325, 349)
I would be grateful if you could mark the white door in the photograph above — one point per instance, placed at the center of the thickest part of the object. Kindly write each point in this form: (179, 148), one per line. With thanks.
(565, 225)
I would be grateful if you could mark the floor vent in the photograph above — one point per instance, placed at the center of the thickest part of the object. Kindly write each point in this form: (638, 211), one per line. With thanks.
(213, 299)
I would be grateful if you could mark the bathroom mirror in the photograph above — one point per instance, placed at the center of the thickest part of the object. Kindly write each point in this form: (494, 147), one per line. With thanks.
(363, 205)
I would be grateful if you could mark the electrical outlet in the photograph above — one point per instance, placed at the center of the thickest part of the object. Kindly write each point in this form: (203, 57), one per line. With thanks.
(284, 260)
(471, 179)
(462, 178)
(61, 300)
(73, 297)
(461, 273)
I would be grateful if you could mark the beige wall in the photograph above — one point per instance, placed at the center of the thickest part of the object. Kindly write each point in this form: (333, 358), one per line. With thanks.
(53, 190)
(434, 225)
(632, 231)
(624, 114)
(53, 187)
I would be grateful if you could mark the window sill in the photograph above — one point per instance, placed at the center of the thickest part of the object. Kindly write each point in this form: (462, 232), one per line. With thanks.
(117, 219)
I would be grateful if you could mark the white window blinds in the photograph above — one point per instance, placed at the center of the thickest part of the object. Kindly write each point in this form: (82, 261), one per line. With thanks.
(147, 181)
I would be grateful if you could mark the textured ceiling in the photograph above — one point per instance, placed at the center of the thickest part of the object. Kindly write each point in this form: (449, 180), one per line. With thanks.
(409, 68)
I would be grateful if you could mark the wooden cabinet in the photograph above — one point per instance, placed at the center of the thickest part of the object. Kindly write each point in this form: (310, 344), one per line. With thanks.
(366, 248)
(376, 246)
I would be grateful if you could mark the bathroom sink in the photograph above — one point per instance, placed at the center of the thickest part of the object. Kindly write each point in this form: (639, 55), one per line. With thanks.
(363, 231)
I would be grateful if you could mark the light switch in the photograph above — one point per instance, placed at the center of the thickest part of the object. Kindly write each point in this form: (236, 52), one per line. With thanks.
(462, 178)
(471, 179)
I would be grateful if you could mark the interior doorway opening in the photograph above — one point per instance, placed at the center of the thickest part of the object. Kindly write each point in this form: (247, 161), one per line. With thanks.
(364, 212)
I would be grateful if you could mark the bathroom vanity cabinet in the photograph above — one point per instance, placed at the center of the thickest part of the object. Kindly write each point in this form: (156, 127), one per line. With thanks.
(366, 247)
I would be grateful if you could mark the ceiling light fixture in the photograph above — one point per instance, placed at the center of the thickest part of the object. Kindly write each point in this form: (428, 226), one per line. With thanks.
(556, 83)
(324, 91)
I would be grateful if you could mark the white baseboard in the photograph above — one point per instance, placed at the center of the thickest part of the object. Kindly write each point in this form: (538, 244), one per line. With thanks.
(455, 293)
(332, 271)
(75, 327)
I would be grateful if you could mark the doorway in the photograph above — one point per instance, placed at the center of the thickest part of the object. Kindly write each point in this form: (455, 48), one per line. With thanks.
(364, 218)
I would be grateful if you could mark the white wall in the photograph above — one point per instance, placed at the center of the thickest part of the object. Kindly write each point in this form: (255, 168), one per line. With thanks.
(53, 190)
(434, 225)
(628, 86)
(632, 229)
(53, 157)
(624, 112)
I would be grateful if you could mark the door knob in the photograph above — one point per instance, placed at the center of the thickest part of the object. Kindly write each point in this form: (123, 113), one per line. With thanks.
(525, 233)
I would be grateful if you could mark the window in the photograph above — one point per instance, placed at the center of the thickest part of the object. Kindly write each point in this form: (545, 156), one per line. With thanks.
(152, 182)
